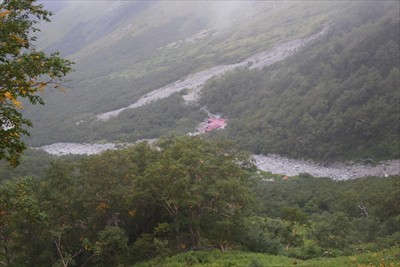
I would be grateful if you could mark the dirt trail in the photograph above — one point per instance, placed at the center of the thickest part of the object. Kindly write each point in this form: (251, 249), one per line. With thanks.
(195, 82)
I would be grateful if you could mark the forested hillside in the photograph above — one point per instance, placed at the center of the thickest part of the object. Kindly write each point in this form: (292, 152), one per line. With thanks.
(185, 194)
(335, 99)
(338, 98)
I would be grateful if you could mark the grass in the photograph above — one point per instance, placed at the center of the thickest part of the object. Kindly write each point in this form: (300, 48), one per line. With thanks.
(386, 258)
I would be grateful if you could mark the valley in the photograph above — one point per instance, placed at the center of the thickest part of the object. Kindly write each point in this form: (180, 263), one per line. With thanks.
(258, 73)
(280, 74)
(199, 133)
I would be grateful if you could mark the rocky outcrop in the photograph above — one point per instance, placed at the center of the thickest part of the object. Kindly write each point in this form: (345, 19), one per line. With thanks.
(194, 83)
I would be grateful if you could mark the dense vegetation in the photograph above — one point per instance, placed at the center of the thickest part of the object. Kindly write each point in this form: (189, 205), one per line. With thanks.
(150, 121)
(123, 207)
(34, 163)
(246, 259)
(336, 99)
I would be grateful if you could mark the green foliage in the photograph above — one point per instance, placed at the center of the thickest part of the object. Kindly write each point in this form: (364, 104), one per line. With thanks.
(255, 263)
(262, 234)
(332, 230)
(22, 220)
(170, 115)
(150, 201)
(333, 217)
(239, 259)
(32, 163)
(148, 246)
(119, 206)
(218, 259)
(196, 183)
(111, 247)
(23, 72)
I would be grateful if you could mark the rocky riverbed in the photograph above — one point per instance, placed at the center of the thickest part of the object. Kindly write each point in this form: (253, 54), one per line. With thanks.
(60, 149)
(270, 163)
(338, 171)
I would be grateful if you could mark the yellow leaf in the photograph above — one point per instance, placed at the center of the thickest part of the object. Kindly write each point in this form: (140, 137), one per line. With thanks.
(8, 95)
(41, 86)
(4, 13)
(132, 213)
(17, 104)
(102, 206)
(18, 39)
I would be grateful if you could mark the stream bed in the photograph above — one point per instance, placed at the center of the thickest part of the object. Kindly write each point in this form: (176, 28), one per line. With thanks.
(270, 163)
(338, 171)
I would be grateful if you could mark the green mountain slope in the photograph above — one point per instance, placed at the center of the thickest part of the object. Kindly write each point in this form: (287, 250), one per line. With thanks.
(126, 49)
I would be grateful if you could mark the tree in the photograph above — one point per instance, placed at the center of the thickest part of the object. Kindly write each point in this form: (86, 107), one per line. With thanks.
(197, 183)
(263, 234)
(24, 72)
(294, 219)
(112, 246)
(22, 221)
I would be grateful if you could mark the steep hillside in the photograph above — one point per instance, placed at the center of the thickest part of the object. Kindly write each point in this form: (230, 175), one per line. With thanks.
(337, 99)
(124, 50)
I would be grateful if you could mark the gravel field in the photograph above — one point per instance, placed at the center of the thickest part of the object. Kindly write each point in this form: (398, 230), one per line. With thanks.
(338, 171)
(270, 163)
(60, 149)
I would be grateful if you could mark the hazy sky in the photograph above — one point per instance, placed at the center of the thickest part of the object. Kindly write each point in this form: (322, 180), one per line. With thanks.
(224, 12)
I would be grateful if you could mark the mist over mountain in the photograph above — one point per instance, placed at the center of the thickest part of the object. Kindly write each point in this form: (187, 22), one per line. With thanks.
(127, 50)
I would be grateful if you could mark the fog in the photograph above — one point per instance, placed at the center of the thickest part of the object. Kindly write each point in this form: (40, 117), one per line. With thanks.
(221, 14)
(224, 13)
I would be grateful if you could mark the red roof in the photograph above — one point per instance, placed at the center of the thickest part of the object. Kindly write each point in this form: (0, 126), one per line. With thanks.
(213, 124)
